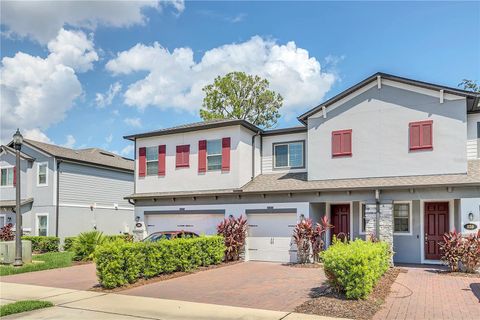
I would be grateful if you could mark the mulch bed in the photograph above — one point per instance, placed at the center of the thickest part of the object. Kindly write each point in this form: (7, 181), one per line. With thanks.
(326, 302)
(162, 277)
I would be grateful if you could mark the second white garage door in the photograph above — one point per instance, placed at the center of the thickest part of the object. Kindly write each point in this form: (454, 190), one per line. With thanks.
(199, 223)
(270, 237)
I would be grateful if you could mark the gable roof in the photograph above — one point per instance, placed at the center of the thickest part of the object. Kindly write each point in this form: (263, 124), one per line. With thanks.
(93, 156)
(473, 98)
(195, 126)
(13, 152)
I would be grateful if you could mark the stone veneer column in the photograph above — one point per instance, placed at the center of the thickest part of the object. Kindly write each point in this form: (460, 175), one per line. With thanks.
(385, 223)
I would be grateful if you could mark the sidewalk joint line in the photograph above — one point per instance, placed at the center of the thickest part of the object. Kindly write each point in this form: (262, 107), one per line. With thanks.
(108, 312)
(100, 295)
(288, 313)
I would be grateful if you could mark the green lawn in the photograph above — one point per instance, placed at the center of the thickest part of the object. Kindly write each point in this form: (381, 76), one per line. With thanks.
(23, 306)
(51, 260)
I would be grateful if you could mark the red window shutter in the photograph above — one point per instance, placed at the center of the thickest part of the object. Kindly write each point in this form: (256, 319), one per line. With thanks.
(182, 158)
(226, 154)
(14, 176)
(342, 143)
(202, 156)
(414, 136)
(161, 159)
(336, 143)
(347, 142)
(421, 135)
(142, 162)
(427, 135)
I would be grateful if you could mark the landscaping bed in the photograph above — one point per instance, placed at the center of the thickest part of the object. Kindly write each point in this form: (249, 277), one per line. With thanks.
(162, 277)
(326, 302)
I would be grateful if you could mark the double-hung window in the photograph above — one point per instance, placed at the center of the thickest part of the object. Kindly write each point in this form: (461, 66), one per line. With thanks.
(42, 224)
(214, 155)
(289, 155)
(363, 221)
(401, 218)
(152, 161)
(7, 177)
(42, 171)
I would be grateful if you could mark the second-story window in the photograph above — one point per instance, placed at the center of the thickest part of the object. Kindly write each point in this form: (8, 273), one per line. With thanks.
(421, 135)
(42, 174)
(214, 154)
(288, 155)
(152, 161)
(182, 157)
(6, 177)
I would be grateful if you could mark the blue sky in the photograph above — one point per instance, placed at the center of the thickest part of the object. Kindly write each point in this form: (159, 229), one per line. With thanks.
(93, 74)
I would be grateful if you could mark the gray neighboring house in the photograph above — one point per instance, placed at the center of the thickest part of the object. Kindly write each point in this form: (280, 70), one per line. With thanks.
(66, 191)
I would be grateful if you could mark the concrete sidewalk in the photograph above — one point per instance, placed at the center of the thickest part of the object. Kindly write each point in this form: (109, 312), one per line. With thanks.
(76, 304)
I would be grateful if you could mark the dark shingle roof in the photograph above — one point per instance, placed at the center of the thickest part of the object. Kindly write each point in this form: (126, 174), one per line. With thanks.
(202, 125)
(91, 156)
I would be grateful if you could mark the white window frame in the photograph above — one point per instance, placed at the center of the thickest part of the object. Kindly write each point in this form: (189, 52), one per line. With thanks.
(288, 143)
(4, 219)
(147, 161)
(38, 174)
(37, 223)
(215, 154)
(410, 219)
(10, 185)
(360, 220)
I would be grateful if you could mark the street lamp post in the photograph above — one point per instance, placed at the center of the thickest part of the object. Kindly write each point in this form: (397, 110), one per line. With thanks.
(17, 145)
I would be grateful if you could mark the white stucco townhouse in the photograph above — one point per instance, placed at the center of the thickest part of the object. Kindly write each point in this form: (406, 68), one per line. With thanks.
(391, 156)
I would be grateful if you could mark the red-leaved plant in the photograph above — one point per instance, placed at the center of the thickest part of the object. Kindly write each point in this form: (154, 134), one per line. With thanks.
(310, 239)
(6, 233)
(461, 253)
(234, 232)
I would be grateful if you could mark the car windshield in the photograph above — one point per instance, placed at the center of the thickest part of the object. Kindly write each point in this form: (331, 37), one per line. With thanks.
(158, 236)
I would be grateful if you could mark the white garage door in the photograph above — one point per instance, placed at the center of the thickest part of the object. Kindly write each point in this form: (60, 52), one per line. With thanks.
(198, 223)
(270, 237)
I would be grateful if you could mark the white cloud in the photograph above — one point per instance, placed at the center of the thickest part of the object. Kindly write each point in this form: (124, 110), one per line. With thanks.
(37, 135)
(41, 20)
(109, 138)
(105, 99)
(70, 141)
(175, 80)
(127, 151)
(133, 122)
(37, 92)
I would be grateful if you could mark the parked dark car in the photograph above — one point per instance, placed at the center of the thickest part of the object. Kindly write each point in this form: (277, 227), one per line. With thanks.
(168, 235)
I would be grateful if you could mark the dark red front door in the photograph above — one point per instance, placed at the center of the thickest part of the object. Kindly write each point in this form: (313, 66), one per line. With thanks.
(436, 225)
(341, 220)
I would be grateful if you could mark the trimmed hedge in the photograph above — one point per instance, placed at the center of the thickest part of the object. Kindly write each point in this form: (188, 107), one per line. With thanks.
(354, 268)
(42, 244)
(120, 262)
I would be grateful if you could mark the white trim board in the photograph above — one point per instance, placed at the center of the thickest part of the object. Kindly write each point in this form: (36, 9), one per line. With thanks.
(77, 205)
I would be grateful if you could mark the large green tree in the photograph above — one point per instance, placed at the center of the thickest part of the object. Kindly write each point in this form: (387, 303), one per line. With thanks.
(238, 95)
(469, 85)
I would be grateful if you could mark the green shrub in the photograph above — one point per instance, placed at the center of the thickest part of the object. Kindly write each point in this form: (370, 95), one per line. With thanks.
(119, 262)
(86, 242)
(42, 244)
(68, 243)
(23, 306)
(354, 268)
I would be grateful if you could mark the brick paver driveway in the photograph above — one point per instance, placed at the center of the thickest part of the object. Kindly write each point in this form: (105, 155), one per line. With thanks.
(422, 293)
(250, 284)
(82, 277)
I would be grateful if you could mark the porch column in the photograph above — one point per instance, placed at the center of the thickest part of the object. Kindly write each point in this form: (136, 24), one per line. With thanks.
(384, 225)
